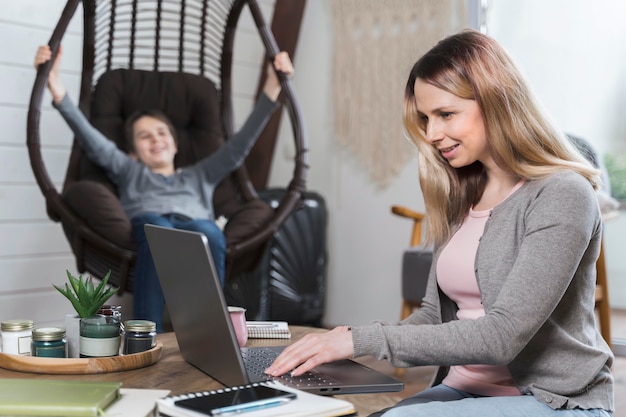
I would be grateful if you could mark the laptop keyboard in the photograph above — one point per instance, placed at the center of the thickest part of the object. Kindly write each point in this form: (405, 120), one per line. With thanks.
(257, 360)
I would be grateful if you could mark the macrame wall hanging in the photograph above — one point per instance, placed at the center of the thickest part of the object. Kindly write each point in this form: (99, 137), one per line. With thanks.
(376, 42)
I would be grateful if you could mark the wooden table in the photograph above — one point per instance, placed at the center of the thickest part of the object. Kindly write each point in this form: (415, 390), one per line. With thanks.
(170, 372)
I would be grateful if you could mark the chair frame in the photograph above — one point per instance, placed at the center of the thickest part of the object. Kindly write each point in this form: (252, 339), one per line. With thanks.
(95, 62)
(416, 238)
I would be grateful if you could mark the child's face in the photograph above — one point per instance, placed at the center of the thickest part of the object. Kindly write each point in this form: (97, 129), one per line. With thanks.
(154, 144)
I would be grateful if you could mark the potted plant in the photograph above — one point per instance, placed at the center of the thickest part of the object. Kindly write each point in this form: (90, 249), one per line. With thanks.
(87, 299)
(84, 296)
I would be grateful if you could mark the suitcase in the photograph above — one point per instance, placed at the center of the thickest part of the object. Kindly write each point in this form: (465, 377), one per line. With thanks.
(290, 282)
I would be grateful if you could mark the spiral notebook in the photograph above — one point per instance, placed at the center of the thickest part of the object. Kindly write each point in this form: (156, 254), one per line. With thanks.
(268, 330)
(304, 405)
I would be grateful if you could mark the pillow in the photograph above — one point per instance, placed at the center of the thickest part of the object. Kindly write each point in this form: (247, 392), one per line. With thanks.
(100, 209)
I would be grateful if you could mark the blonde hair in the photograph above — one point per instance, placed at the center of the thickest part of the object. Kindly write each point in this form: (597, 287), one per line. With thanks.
(473, 66)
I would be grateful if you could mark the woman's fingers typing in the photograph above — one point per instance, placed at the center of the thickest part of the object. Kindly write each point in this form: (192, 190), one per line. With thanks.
(313, 350)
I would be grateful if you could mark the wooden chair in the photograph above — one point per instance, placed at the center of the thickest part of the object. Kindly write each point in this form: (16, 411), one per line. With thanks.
(409, 301)
(185, 44)
(415, 264)
(603, 306)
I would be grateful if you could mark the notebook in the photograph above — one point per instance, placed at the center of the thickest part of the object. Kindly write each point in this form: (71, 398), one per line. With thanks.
(205, 334)
(41, 397)
(268, 330)
(304, 405)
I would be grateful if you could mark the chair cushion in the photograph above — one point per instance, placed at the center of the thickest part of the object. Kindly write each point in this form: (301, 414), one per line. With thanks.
(416, 264)
(190, 101)
(98, 206)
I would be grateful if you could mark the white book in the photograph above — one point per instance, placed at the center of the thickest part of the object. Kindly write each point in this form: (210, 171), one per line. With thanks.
(268, 330)
(304, 405)
(135, 402)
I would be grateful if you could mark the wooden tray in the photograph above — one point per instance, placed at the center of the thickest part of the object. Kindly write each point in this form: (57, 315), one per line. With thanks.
(80, 366)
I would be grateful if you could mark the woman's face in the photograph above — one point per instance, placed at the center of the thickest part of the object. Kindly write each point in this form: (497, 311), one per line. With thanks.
(453, 125)
(154, 144)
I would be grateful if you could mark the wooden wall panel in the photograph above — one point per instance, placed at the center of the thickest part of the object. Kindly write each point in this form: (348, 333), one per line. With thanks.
(22, 203)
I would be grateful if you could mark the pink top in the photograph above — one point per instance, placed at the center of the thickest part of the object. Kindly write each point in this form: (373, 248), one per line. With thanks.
(456, 278)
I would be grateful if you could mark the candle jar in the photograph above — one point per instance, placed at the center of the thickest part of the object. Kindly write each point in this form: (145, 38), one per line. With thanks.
(111, 310)
(99, 336)
(16, 336)
(138, 336)
(49, 342)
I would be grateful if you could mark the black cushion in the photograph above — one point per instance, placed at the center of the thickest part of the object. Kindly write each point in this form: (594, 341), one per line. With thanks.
(416, 264)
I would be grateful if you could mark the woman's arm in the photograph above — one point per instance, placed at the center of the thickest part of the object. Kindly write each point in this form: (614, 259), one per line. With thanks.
(558, 239)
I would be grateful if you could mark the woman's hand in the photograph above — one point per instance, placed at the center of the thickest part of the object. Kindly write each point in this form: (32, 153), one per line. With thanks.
(312, 350)
(282, 63)
(56, 87)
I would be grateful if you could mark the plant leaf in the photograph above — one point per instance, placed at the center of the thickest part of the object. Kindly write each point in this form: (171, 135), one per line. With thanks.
(86, 299)
(67, 292)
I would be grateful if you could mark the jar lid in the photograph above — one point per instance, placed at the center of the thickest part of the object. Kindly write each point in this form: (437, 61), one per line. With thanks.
(45, 334)
(16, 325)
(139, 325)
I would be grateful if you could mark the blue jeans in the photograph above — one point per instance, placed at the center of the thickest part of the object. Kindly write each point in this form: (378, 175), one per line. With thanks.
(148, 301)
(443, 401)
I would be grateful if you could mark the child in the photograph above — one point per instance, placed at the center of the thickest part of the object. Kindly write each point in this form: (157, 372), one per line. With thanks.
(151, 189)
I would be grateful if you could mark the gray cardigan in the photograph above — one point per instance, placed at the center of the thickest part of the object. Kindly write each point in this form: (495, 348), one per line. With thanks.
(535, 267)
(190, 190)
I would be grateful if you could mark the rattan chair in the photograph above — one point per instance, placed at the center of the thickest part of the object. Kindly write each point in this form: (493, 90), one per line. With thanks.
(185, 49)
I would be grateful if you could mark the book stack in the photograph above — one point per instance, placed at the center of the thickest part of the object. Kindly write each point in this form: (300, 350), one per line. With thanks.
(268, 330)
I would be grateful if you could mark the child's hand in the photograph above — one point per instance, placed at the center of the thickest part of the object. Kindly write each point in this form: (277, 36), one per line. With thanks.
(282, 63)
(43, 55)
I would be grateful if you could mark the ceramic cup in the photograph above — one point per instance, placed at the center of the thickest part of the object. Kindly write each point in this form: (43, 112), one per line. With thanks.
(238, 317)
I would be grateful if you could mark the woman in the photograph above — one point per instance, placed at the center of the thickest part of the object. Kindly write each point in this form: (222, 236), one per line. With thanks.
(152, 190)
(509, 309)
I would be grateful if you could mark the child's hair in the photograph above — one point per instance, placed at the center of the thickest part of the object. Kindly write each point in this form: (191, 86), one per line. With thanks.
(473, 66)
(130, 123)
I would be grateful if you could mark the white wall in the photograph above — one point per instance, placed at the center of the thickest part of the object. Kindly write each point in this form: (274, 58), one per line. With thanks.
(572, 53)
(578, 84)
(33, 251)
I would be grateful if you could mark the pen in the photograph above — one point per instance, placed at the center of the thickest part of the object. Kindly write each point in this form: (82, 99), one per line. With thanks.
(241, 408)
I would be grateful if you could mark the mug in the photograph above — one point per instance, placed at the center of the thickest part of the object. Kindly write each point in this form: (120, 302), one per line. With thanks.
(238, 318)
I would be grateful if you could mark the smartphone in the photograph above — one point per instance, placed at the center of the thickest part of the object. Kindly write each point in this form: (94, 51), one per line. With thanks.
(237, 400)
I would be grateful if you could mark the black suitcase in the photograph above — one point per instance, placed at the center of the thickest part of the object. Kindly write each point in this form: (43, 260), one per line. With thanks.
(290, 282)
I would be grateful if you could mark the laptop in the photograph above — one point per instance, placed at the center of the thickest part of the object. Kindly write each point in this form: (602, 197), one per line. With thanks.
(205, 333)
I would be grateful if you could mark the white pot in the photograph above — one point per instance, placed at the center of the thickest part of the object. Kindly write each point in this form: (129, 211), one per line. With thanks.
(72, 334)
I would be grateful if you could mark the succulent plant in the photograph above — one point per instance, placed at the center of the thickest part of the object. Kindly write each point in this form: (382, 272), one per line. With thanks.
(84, 296)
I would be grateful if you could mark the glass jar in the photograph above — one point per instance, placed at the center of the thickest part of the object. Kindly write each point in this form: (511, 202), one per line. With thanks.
(138, 336)
(99, 336)
(111, 310)
(49, 342)
(16, 336)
